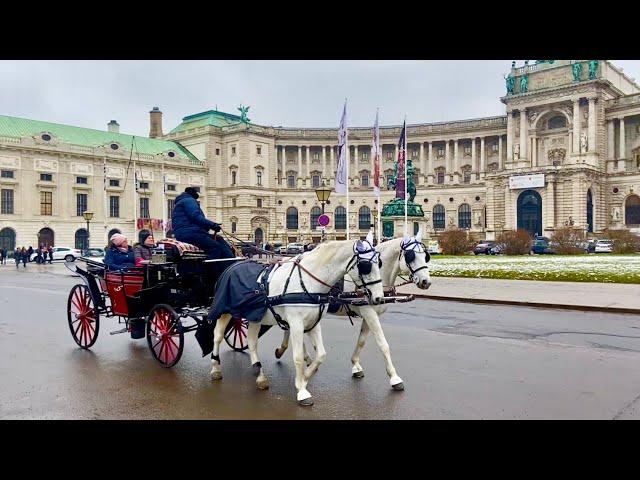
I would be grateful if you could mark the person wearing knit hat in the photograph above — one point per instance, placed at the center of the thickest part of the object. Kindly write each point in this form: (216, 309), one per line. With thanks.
(191, 226)
(143, 251)
(120, 254)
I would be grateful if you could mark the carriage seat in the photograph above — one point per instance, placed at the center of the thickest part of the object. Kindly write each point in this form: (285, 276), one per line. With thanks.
(182, 249)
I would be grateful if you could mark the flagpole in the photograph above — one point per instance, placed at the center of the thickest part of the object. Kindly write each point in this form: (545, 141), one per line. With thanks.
(348, 160)
(135, 197)
(406, 159)
(164, 204)
(377, 161)
(104, 194)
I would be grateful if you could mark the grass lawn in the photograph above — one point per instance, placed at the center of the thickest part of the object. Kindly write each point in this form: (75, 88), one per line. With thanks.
(605, 268)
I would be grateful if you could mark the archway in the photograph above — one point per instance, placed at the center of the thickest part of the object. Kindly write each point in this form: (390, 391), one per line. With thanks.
(589, 211)
(632, 211)
(530, 212)
(259, 236)
(82, 239)
(8, 239)
(46, 237)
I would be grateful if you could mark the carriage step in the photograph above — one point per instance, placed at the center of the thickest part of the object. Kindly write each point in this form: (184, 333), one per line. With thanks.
(124, 330)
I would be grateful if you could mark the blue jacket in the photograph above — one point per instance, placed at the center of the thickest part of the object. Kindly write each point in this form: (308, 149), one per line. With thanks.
(187, 217)
(117, 260)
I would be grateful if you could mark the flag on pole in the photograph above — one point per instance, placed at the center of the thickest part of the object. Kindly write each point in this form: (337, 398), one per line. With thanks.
(375, 152)
(341, 172)
(402, 164)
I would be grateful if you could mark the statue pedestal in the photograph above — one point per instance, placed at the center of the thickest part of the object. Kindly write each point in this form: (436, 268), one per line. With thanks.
(393, 218)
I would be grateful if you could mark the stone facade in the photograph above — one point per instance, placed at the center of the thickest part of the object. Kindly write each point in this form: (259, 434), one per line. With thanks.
(576, 130)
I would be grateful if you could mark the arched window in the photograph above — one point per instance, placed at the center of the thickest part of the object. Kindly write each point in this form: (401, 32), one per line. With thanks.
(8, 239)
(82, 239)
(315, 213)
(464, 216)
(632, 210)
(292, 218)
(557, 122)
(438, 217)
(364, 218)
(341, 218)
(46, 237)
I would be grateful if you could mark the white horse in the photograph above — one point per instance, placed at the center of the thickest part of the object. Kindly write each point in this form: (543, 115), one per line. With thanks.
(316, 272)
(394, 255)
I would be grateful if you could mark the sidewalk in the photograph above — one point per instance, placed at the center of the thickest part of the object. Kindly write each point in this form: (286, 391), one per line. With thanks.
(609, 297)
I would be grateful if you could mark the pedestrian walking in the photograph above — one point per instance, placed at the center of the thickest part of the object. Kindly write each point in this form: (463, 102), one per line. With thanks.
(17, 256)
(50, 254)
(29, 252)
(25, 256)
(39, 255)
(2, 256)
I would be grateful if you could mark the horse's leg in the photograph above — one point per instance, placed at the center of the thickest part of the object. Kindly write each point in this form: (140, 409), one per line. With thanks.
(356, 370)
(370, 316)
(285, 344)
(321, 354)
(296, 327)
(252, 338)
(218, 336)
(307, 358)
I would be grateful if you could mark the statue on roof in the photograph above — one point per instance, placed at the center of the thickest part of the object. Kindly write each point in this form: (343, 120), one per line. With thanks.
(524, 83)
(577, 71)
(511, 81)
(593, 69)
(243, 113)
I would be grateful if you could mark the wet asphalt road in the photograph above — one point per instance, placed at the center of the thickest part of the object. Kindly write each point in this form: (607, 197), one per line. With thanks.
(458, 361)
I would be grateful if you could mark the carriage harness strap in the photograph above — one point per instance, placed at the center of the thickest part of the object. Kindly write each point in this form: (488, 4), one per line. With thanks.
(306, 297)
(409, 250)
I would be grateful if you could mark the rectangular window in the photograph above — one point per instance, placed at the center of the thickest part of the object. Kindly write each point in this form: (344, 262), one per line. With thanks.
(46, 177)
(6, 201)
(114, 183)
(389, 155)
(414, 153)
(440, 178)
(315, 181)
(316, 155)
(259, 150)
(466, 178)
(81, 204)
(291, 181)
(259, 202)
(365, 156)
(233, 202)
(217, 151)
(144, 208)
(144, 185)
(441, 152)
(6, 174)
(259, 178)
(171, 187)
(46, 203)
(233, 227)
(494, 147)
(233, 150)
(365, 180)
(114, 206)
(467, 150)
(170, 204)
(81, 180)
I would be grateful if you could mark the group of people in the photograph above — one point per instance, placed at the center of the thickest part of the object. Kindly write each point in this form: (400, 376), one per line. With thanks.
(42, 253)
(3, 256)
(23, 255)
(189, 226)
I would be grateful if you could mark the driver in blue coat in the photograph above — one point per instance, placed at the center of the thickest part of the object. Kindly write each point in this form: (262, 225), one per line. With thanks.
(191, 226)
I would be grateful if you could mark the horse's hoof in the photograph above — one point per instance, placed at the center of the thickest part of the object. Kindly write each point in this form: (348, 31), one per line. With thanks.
(216, 375)
(359, 374)
(262, 385)
(307, 402)
(279, 353)
(398, 387)
(256, 368)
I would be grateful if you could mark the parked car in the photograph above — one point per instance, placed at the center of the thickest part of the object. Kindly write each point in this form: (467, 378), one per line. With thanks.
(540, 245)
(276, 246)
(309, 246)
(283, 250)
(484, 247)
(295, 248)
(94, 252)
(604, 246)
(62, 253)
(433, 247)
(497, 249)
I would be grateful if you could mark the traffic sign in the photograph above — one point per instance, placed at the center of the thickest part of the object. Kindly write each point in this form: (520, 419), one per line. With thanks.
(323, 220)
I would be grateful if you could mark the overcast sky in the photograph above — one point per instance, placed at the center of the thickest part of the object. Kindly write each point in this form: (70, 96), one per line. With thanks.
(286, 93)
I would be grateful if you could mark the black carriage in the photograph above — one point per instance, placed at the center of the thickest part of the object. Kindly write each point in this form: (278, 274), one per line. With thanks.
(161, 300)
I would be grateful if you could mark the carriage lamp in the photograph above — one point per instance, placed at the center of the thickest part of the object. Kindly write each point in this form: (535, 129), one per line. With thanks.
(87, 216)
(323, 194)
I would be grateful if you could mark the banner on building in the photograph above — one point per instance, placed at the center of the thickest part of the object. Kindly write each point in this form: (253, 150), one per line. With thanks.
(526, 181)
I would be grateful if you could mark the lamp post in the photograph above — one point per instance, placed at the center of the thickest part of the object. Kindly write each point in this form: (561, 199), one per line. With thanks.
(323, 194)
(375, 222)
(87, 216)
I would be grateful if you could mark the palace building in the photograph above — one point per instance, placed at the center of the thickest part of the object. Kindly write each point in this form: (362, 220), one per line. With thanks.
(566, 152)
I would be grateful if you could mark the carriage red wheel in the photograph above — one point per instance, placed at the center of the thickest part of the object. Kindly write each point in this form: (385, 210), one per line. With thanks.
(83, 317)
(165, 336)
(236, 334)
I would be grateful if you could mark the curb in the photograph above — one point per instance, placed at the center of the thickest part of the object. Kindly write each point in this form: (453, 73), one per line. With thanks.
(560, 306)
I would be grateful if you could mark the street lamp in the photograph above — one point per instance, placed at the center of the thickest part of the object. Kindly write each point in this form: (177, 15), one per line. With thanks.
(323, 194)
(87, 216)
(375, 222)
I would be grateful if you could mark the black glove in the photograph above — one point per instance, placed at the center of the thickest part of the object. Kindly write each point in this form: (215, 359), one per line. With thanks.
(216, 227)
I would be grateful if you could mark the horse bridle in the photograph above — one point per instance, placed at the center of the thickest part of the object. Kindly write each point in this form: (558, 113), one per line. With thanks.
(365, 264)
(409, 251)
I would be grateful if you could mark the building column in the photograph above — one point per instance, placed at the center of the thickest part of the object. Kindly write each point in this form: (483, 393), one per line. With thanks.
(308, 170)
(623, 151)
(355, 161)
(324, 161)
(534, 151)
(576, 127)
(299, 176)
(456, 158)
(447, 160)
(611, 140)
(474, 166)
(423, 166)
(483, 159)
(332, 173)
(523, 135)
(429, 170)
(509, 137)
(591, 143)
(395, 154)
(500, 161)
(283, 159)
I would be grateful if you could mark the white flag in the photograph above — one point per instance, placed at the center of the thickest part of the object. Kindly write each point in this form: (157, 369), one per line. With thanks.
(341, 173)
(375, 152)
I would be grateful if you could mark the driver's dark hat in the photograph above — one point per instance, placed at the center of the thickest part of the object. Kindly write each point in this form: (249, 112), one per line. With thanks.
(192, 191)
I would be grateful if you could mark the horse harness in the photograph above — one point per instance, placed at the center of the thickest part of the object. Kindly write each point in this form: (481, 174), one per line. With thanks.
(364, 266)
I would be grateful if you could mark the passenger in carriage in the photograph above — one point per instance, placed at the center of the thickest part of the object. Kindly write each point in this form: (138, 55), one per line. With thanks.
(191, 226)
(144, 251)
(119, 255)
